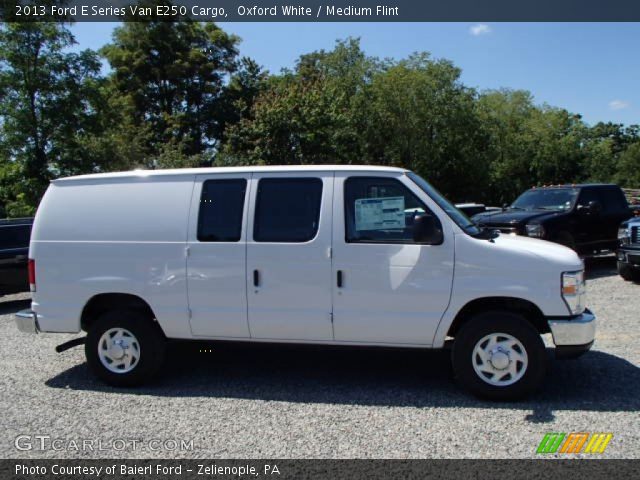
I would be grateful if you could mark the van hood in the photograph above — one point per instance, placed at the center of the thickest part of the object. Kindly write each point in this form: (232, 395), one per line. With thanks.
(561, 256)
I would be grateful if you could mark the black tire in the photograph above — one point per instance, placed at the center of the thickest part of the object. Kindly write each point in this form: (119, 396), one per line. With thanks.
(481, 325)
(628, 273)
(151, 345)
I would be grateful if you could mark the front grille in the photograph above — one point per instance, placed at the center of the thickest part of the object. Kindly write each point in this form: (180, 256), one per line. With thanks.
(634, 235)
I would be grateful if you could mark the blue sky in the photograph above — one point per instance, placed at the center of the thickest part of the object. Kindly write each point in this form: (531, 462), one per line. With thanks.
(588, 68)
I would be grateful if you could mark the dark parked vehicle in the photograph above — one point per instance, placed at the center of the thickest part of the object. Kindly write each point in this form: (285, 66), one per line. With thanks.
(629, 250)
(14, 252)
(471, 209)
(582, 217)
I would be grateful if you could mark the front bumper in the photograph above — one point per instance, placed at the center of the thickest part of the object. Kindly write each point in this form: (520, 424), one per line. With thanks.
(629, 256)
(573, 336)
(27, 321)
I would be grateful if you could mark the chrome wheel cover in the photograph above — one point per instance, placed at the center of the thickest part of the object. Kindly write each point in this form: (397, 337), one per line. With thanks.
(119, 350)
(499, 359)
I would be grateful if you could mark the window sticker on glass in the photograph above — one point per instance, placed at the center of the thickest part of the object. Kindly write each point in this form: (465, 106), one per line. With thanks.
(386, 213)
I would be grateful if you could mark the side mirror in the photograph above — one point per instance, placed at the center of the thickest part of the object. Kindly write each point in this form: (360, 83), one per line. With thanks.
(505, 206)
(427, 229)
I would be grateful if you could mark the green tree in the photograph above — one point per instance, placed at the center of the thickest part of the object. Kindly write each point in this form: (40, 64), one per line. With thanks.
(344, 107)
(172, 75)
(605, 144)
(628, 171)
(420, 116)
(45, 107)
(529, 145)
(308, 115)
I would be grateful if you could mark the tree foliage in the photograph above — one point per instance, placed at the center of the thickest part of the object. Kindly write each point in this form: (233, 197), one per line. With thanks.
(46, 107)
(178, 94)
(172, 76)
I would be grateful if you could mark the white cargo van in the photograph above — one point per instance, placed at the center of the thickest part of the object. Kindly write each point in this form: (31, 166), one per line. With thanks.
(340, 255)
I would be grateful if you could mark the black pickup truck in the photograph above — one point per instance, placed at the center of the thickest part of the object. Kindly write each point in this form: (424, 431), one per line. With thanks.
(14, 252)
(582, 217)
(628, 253)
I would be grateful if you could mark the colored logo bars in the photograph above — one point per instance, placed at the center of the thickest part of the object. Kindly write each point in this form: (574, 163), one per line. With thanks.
(574, 443)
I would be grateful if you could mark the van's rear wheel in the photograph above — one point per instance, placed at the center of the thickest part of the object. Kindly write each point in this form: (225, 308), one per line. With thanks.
(499, 356)
(124, 348)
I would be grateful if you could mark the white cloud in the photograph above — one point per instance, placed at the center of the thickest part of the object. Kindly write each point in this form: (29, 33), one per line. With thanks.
(480, 29)
(618, 105)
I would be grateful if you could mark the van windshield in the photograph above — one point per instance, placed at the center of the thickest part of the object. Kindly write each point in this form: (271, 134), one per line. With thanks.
(456, 215)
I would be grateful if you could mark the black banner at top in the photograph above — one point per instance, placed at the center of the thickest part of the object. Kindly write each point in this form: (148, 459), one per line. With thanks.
(322, 10)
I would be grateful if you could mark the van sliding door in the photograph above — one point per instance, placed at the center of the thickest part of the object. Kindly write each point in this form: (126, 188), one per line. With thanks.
(216, 256)
(289, 257)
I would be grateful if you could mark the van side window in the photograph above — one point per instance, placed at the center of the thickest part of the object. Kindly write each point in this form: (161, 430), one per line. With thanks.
(287, 209)
(380, 210)
(221, 207)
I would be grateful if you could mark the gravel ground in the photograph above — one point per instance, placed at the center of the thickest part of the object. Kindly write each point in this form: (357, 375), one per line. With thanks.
(293, 402)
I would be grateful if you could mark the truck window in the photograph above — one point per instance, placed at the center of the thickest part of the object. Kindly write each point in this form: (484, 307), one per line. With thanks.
(588, 195)
(287, 209)
(14, 236)
(221, 207)
(380, 210)
(613, 200)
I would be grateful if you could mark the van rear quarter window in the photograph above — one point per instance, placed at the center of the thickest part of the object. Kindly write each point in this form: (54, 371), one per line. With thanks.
(287, 209)
(221, 207)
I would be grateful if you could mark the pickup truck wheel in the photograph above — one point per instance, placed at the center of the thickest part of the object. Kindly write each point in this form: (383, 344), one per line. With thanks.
(628, 273)
(124, 349)
(499, 355)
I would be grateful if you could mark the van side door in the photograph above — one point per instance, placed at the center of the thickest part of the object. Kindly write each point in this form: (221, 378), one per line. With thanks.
(288, 256)
(216, 256)
(388, 289)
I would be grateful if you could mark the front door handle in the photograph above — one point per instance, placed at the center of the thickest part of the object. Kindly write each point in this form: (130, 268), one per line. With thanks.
(339, 279)
(256, 278)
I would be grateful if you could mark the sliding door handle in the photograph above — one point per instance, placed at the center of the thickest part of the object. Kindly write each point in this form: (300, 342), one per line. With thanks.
(256, 278)
(339, 278)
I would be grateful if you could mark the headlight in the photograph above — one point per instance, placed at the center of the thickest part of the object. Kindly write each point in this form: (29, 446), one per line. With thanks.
(535, 230)
(574, 291)
(623, 235)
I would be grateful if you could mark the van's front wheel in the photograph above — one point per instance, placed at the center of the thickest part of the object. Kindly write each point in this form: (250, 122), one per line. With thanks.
(124, 348)
(499, 355)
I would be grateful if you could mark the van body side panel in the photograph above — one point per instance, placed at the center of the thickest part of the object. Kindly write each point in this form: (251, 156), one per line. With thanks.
(508, 266)
(122, 236)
